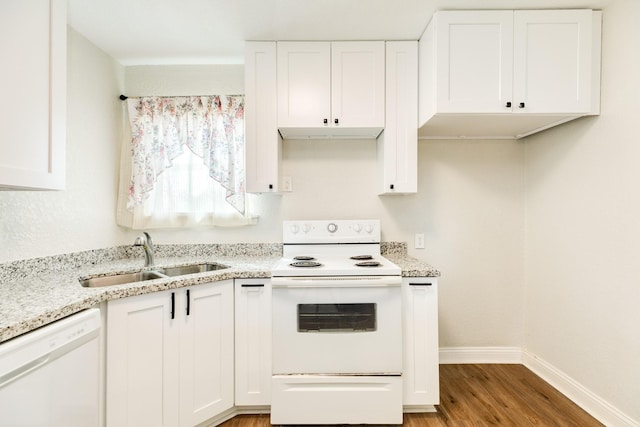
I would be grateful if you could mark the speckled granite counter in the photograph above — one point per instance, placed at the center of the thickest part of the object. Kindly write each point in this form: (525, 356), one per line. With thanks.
(39, 291)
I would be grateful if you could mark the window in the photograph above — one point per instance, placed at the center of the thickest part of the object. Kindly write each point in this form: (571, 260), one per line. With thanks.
(183, 164)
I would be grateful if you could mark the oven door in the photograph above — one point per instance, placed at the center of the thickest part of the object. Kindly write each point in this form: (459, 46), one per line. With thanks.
(337, 325)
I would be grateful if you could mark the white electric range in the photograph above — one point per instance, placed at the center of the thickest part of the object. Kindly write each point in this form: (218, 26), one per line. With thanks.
(337, 327)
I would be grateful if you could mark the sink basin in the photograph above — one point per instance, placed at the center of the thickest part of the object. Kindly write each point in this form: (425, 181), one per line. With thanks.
(158, 273)
(119, 279)
(191, 269)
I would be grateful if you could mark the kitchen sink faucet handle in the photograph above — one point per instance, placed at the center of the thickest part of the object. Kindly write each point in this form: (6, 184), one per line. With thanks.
(147, 244)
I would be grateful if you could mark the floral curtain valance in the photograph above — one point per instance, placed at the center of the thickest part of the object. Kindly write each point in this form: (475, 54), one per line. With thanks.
(212, 127)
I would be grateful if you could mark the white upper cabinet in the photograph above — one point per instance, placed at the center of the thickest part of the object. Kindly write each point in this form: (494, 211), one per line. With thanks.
(397, 148)
(553, 62)
(304, 84)
(331, 89)
(357, 85)
(475, 72)
(507, 74)
(33, 45)
(262, 141)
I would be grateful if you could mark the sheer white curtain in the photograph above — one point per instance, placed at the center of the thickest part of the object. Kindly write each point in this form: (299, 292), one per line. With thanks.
(183, 163)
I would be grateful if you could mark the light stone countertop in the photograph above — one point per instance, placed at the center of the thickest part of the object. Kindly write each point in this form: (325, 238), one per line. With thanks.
(36, 292)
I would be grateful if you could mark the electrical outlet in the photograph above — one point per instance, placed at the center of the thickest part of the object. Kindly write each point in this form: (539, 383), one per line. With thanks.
(287, 184)
(419, 241)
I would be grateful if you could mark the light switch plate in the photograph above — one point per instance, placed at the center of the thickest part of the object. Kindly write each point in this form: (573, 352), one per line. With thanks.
(419, 241)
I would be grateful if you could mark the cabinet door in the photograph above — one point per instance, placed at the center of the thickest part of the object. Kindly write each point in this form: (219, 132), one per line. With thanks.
(304, 84)
(474, 61)
(253, 341)
(398, 144)
(142, 359)
(262, 141)
(357, 84)
(552, 61)
(33, 45)
(421, 362)
(206, 351)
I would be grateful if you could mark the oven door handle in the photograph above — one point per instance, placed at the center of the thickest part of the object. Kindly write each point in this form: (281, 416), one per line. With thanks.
(337, 282)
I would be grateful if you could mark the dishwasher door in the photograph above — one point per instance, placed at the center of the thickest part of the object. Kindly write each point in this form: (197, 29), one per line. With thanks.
(50, 377)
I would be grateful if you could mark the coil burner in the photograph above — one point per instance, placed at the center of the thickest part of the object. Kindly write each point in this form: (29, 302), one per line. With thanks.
(361, 257)
(368, 264)
(305, 264)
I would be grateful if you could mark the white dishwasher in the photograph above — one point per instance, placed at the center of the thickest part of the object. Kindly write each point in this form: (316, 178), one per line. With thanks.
(50, 377)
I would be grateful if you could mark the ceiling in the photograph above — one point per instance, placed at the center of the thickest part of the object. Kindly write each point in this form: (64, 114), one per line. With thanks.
(139, 32)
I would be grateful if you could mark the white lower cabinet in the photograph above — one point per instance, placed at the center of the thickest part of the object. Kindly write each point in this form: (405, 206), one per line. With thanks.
(253, 342)
(170, 356)
(420, 328)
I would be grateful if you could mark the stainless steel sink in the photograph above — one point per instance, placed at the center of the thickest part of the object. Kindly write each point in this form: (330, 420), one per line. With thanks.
(120, 278)
(191, 269)
(158, 273)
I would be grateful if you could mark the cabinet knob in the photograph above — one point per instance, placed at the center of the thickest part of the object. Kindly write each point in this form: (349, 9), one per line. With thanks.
(521, 105)
(270, 186)
(509, 104)
(325, 121)
(335, 121)
(391, 187)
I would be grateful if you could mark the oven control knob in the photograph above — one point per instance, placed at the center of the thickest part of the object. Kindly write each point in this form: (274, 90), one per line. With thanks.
(306, 228)
(369, 228)
(358, 228)
(294, 228)
(332, 227)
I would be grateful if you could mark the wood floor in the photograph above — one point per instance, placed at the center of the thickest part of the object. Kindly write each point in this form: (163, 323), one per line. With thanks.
(484, 395)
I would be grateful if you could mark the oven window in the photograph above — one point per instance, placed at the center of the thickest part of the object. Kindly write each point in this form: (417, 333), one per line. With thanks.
(336, 317)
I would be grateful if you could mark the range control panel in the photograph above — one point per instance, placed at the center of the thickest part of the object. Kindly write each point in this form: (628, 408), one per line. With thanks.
(331, 231)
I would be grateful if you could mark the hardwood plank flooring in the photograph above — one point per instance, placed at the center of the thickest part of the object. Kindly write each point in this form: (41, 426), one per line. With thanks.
(484, 395)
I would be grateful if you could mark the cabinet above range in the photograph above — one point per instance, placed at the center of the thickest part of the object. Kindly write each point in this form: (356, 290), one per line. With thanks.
(507, 74)
(320, 90)
(331, 89)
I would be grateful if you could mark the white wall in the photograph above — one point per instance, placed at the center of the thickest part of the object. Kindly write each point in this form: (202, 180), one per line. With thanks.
(34, 224)
(583, 230)
(471, 200)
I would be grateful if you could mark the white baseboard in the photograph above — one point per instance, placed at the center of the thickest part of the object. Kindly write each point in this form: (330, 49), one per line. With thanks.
(597, 407)
(462, 355)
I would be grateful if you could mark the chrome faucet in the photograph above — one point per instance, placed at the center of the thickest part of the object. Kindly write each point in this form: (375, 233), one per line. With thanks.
(147, 244)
